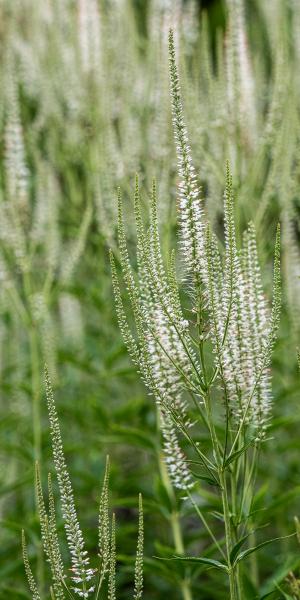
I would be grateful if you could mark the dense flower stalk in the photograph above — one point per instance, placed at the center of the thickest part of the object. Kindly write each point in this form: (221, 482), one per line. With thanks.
(31, 582)
(138, 572)
(82, 573)
(190, 202)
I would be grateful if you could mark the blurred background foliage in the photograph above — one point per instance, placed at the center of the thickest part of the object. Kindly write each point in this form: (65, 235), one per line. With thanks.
(84, 105)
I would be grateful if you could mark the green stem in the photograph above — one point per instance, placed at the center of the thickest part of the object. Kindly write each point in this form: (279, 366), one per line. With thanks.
(175, 525)
(234, 477)
(229, 538)
(233, 573)
(179, 547)
(247, 501)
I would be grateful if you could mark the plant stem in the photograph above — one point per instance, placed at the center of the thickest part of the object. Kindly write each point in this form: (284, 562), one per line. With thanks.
(233, 572)
(175, 525)
(229, 537)
(234, 495)
(179, 547)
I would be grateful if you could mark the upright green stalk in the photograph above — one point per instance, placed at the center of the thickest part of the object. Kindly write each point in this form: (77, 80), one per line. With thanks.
(175, 523)
(232, 573)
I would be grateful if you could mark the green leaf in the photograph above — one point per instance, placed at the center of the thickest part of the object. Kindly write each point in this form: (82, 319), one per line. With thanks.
(240, 542)
(197, 560)
(236, 548)
(261, 545)
(232, 457)
(208, 480)
(217, 515)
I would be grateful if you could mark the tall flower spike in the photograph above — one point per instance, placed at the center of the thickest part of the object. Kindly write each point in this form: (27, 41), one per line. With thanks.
(15, 162)
(291, 266)
(214, 293)
(112, 562)
(49, 539)
(155, 246)
(127, 270)
(276, 304)
(128, 338)
(190, 203)
(257, 327)
(104, 533)
(235, 340)
(162, 351)
(168, 338)
(174, 287)
(53, 533)
(241, 331)
(268, 342)
(174, 457)
(82, 573)
(231, 259)
(30, 578)
(241, 92)
(223, 287)
(138, 572)
(89, 34)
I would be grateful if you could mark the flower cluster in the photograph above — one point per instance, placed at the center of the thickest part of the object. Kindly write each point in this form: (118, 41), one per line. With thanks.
(81, 572)
(190, 202)
(85, 582)
(231, 310)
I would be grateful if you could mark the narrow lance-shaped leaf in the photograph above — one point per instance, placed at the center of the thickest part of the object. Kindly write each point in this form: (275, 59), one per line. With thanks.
(249, 551)
(195, 560)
